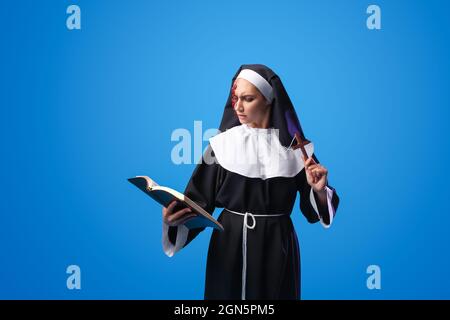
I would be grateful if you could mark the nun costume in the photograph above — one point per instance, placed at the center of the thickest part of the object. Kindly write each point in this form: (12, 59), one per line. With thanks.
(255, 177)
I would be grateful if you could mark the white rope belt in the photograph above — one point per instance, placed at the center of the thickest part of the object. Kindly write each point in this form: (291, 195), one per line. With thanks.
(245, 226)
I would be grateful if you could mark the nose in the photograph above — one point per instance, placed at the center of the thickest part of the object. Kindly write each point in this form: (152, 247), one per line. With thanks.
(238, 105)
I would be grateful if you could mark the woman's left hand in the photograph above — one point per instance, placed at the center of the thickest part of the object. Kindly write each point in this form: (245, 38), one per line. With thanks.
(316, 174)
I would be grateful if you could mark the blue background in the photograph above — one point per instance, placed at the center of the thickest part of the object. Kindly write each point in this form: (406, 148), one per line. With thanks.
(83, 110)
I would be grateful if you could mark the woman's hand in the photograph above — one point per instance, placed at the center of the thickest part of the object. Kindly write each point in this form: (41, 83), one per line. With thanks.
(315, 174)
(176, 218)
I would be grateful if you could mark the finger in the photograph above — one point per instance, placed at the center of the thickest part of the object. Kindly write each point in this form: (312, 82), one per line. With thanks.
(313, 173)
(316, 178)
(316, 170)
(309, 174)
(321, 172)
(184, 219)
(166, 210)
(309, 169)
(322, 168)
(179, 214)
(321, 179)
(310, 162)
(318, 173)
(171, 205)
(319, 176)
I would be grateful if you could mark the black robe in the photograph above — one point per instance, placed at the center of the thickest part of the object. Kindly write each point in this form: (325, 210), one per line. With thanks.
(273, 259)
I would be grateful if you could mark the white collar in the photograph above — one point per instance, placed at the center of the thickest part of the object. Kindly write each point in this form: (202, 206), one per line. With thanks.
(257, 153)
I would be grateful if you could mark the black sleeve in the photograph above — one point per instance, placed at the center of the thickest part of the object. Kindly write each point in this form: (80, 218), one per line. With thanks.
(202, 188)
(305, 203)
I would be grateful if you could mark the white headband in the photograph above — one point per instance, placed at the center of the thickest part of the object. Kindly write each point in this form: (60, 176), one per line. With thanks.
(258, 81)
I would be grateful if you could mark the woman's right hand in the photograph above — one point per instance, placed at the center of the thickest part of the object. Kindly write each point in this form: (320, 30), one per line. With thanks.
(176, 218)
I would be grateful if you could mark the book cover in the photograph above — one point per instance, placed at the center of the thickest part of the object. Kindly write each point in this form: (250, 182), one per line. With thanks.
(165, 195)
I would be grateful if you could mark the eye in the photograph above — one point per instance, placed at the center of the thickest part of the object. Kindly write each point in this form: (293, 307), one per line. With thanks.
(248, 99)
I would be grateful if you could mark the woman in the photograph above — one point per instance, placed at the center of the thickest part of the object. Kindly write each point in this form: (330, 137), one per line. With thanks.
(255, 177)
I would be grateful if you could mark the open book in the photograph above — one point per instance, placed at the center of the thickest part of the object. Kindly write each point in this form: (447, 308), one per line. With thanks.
(165, 195)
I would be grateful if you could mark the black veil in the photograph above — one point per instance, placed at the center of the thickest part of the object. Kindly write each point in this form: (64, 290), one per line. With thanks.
(282, 116)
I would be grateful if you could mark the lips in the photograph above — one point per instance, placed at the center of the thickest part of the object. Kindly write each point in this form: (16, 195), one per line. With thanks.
(241, 115)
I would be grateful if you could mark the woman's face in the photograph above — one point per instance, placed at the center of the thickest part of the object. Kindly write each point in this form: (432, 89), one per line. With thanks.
(250, 105)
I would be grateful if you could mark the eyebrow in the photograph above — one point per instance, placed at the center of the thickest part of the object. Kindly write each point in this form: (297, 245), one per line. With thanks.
(247, 94)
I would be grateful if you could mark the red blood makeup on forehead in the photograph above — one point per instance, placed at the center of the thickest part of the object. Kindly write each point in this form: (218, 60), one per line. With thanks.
(233, 94)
